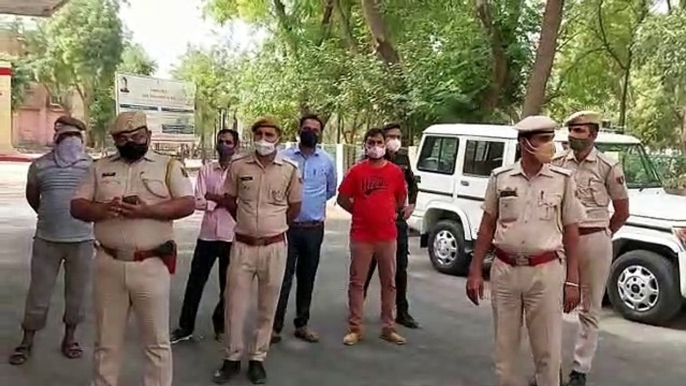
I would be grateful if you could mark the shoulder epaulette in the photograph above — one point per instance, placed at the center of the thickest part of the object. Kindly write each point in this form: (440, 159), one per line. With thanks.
(502, 169)
(290, 161)
(606, 159)
(560, 170)
(561, 154)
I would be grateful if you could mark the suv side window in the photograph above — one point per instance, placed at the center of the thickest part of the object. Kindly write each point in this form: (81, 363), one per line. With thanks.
(438, 155)
(481, 157)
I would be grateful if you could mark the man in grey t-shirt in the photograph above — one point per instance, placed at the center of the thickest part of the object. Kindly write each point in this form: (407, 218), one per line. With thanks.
(59, 239)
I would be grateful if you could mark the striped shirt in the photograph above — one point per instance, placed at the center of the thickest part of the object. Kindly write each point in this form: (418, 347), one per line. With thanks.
(57, 186)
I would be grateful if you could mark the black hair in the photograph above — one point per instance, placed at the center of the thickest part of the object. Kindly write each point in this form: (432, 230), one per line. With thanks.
(233, 133)
(373, 132)
(313, 117)
(390, 126)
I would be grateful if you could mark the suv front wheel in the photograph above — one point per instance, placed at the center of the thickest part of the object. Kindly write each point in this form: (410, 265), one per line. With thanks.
(643, 287)
(447, 248)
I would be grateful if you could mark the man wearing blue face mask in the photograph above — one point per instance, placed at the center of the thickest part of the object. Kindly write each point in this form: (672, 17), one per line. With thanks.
(60, 238)
(214, 241)
(306, 233)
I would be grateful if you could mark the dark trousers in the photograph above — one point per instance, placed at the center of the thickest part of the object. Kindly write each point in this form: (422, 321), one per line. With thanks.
(401, 256)
(304, 246)
(206, 252)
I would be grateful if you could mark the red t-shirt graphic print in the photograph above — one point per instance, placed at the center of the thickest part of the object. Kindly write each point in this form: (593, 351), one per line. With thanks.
(375, 192)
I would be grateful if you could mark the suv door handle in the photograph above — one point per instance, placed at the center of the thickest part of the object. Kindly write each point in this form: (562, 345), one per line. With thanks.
(464, 183)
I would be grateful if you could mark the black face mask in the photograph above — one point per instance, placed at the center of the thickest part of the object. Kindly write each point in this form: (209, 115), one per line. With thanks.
(308, 138)
(132, 151)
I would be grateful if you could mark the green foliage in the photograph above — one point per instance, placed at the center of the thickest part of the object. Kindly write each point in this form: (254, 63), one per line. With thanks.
(134, 60)
(76, 52)
(22, 76)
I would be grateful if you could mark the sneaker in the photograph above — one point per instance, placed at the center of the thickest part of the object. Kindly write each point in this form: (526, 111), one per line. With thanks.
(306, 334)
(256, 373)
(393, 337)
(576, 379)
(179, 335)
(406, 320)
(276, 337)
(228, 370)
(352, 338)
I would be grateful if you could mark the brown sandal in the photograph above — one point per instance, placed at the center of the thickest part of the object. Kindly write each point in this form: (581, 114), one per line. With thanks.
(306, 334)
(20, 355)
(72, 350)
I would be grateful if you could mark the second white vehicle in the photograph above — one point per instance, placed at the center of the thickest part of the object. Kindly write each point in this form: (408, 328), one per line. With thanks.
(648, 277)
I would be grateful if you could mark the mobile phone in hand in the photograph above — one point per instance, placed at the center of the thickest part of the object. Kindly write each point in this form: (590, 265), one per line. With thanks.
(131, 200)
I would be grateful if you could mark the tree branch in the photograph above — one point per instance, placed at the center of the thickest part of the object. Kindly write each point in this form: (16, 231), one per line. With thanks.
(326, 21)
(568, 71)
(345, 24)
(603, 36)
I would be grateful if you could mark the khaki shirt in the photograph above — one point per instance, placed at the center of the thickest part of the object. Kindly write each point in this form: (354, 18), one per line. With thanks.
(147, 178)
(263, 194)
(531, 213)
(598, 181)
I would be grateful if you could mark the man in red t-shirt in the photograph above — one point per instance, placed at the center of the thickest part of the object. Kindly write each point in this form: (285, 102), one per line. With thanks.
(372, 191)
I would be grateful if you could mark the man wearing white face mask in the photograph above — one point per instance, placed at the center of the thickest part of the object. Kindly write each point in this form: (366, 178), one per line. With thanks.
(373, 191)
(60, 238)
(399, 156)
(264, 195)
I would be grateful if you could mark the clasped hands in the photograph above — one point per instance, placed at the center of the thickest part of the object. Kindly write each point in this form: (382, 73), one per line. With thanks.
(118, 208)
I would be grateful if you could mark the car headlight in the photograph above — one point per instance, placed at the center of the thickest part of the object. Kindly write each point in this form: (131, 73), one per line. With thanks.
(680, 233)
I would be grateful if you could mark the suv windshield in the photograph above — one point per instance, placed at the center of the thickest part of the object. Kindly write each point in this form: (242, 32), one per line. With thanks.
(638, 170)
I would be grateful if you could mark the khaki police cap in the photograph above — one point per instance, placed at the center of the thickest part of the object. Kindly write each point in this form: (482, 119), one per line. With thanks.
(128, 121)
(66, 124)
(536, 124)
(584, 118)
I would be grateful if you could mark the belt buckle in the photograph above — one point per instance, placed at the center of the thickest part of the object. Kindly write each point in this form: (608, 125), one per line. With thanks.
(522, 260)
(126, 254)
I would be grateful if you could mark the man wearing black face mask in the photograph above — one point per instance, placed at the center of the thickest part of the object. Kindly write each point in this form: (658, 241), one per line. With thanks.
(133, 198)
(599, 181)
(306, 233)
(214, 241)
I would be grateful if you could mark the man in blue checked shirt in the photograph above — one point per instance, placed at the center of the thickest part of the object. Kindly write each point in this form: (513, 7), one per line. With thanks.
(306, 233)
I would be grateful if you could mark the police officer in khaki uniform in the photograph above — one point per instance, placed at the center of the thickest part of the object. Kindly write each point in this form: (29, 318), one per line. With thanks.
(531, 219)
(264, 194)
(599, 180)
(132, 198)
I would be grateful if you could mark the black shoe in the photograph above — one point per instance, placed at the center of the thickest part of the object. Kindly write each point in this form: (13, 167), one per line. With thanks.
(576, 379)
(180, 335)
(256, 373)
(276, 337)
(228, 370)
(406, 320)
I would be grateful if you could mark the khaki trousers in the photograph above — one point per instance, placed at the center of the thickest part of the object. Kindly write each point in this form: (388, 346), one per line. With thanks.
(361, 255)
(595, 259)
(268, 264)
(119, 288)
(46, 259)
(534, 293)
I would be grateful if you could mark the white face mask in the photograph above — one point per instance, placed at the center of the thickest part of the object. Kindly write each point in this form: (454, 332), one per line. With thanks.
(264, 148)
(375, 152)
(68, 151)
(393, 144)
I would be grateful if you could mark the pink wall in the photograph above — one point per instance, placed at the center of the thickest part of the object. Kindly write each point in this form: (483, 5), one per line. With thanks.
(33, 121)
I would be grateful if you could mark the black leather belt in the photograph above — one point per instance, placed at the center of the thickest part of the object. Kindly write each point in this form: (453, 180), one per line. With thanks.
(307, 224)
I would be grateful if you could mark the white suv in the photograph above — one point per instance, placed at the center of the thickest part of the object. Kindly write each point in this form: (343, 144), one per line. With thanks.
(648, 277)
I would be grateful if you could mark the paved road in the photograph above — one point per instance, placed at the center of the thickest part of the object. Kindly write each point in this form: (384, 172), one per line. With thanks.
(453, 348)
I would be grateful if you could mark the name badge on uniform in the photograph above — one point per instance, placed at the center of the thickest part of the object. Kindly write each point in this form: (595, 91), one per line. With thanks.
(246, 178)
(112, 174)
(508, 193)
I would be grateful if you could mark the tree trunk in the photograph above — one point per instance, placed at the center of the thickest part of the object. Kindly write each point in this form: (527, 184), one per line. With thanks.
(377, 27)
(625, 92)
(345, 24)
(545, 55)
(500, 65)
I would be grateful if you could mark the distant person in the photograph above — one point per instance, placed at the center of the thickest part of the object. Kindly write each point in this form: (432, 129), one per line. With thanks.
(530, 218)
(264, 195)
(133, 198)
(373, 191)
(125, 84)
(59, 239)
(306, 232)
(396, 154)
(214, 241)
(599, 182)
